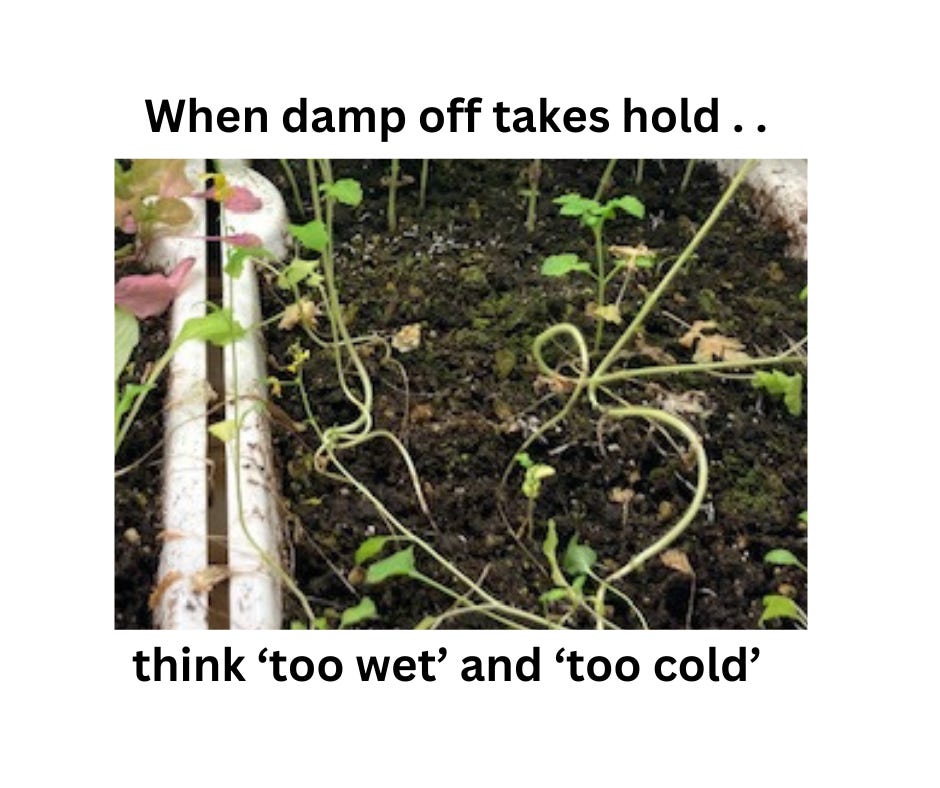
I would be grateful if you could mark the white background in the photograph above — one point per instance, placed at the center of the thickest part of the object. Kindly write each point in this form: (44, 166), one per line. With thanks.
(841, 701)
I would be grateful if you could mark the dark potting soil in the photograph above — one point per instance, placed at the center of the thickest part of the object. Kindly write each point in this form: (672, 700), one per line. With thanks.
(467, 271)
(137, 487)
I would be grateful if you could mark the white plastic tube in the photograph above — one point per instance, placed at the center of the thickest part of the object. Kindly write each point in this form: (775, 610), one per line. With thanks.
(181, 603)
(254, 521)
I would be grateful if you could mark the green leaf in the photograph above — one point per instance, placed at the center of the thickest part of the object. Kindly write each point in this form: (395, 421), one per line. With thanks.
(238, 254)
(524, 459)
(219, 328)
(644, 261)
(130, 392)
(400, 563)
(297, 625)
(780, 384)
(171, 210)
(575, 205)
(296, 272)
(370, 548)
(804, 293)
(534, 474)
(427, 622)
(793, 398)
(777, 606)
(346, 190)
(781, 557)
(355, 615)
(578, 558)
(561, 264)
(224, 430)
(554, 595)
(803, 517)
(126, 337)
(629, 204)
(312, 235)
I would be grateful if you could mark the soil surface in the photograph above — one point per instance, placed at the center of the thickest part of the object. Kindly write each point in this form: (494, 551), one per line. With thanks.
(137, 485)
(464, 400)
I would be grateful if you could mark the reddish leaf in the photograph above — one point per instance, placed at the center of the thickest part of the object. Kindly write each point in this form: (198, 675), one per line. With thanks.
(147, 295)
(236, 199)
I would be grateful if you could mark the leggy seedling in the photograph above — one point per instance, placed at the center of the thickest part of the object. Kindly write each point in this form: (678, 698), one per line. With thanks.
(592, 215)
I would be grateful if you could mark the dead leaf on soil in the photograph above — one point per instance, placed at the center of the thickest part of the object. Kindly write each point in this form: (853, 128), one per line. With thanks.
(407, 338)
(688, 403)
(711, 347)
(609, 313)
(621, 495)
(678, 561)
(305, 311)
(553, 383)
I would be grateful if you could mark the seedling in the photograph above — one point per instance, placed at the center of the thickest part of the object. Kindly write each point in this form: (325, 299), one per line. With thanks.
(423, 186)
(218, 327)
(606, 179)
(686, 176)
(780, 384)
(593, 215)
(533, 174)
(535, 473)
(578, 563)
(778, 605)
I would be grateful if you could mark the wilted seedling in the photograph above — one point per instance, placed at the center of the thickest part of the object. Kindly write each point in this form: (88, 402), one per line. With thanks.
(535, 474)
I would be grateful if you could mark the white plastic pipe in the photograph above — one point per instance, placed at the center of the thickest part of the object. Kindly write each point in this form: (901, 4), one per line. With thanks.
(181, 603)
(254, 521)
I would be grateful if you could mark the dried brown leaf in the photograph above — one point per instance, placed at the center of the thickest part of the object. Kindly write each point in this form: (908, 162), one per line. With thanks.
(305, 311)
(160, 589)
(678, 561)
(207, 578)
(695, 332)
(621, 495)
(407, 338)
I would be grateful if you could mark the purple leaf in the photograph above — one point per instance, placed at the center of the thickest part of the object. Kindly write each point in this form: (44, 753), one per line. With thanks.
(236, 199)
(147, 295)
